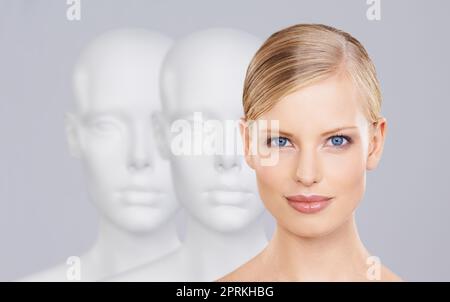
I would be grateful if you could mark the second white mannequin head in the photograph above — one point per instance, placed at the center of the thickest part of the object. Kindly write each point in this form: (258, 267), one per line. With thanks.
(204, 73)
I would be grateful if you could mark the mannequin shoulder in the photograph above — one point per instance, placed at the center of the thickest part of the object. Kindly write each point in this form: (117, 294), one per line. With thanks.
(57, 273)
(169, 268)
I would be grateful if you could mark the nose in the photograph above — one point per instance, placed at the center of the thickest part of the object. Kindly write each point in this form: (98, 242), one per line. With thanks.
(223, 163)
(140, 153)
(308, 170)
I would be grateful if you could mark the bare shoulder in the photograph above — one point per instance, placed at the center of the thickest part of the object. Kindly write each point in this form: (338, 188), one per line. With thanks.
(251, 271)
(388, 276)
(245, 272)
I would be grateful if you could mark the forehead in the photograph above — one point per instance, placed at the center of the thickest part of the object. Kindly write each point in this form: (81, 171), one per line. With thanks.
(212, 109)
(331, 103)
(210, 78)
(218, 94)
(129, 91)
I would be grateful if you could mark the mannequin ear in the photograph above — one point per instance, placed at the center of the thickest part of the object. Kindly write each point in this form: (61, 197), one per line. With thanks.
(72, 134)
(161, 127)
(245, 135)
(376, 143)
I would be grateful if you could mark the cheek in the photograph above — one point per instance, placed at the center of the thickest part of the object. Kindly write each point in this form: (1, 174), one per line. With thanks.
(192, 175)
(105, 149)
(105, 162)
(345, 172)
(184, 167)
(273, 180)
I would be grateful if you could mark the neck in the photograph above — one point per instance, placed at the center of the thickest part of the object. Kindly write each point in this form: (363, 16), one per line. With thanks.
(215, 253)
(117, 250)
(339, 255)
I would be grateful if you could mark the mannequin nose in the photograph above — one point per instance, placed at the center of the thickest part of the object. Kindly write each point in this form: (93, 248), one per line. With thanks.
(140, 153)
(227, 162)
(307, 168)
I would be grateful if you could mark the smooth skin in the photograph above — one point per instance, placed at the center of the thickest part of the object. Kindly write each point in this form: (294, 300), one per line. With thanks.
(322, 246)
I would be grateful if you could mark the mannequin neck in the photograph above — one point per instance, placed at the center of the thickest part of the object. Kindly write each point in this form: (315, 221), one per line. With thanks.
(117, 250)
(215, 253)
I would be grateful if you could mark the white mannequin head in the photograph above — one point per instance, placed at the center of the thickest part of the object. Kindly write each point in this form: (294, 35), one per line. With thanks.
(204, 72)
(116, 84)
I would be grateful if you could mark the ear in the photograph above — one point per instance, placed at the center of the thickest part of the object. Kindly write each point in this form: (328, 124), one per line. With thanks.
(72, 134)
(245, 136)
(161, 135)
(376, 143)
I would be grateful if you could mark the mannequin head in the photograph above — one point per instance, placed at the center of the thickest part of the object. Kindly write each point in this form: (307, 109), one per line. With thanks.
(313, 79)
(204, 73)
(116, 85)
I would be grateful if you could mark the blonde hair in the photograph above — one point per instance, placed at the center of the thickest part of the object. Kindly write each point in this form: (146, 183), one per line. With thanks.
(299, 55)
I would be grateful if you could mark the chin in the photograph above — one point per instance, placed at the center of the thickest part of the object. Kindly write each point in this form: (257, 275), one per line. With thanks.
(138, 227)
(317, 233)
(229, 223)
(310, 229)
(139, 221)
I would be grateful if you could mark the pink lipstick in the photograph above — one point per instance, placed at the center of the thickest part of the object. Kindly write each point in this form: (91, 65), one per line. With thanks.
(308, 204)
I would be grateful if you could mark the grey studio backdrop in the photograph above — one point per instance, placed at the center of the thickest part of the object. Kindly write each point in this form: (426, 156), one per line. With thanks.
(45, 215)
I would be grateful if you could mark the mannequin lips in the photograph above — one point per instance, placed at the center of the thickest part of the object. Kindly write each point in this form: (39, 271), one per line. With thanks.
(228, 196)
(308, 204)
(140, 197)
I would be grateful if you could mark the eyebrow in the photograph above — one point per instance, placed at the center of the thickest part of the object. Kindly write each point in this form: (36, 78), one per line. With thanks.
(338, 129)
(188, 114)
(96, 114)
(287, 134)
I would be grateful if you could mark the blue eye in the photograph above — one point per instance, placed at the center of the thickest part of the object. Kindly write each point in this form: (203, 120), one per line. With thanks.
(338, 140)
(278, 141)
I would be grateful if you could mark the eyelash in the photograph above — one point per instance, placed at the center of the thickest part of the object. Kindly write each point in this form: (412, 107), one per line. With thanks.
(347, 138)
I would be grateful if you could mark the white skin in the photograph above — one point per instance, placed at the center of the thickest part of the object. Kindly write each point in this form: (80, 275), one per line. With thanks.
(321, 246)
(112, 133)
(204, 73)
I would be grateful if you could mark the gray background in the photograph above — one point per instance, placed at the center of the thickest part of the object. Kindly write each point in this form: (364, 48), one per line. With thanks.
(44, 212)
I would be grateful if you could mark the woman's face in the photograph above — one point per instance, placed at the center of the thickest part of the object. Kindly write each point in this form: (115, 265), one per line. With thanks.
(313, 158)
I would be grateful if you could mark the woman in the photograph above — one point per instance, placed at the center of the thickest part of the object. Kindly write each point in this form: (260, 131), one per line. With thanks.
(312, 106)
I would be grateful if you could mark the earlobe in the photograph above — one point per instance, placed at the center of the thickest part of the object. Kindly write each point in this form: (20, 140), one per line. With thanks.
(72, 135)
(376, 145)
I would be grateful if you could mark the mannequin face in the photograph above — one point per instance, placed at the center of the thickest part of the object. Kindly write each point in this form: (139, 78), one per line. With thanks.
(312, 162)
(219, 191)
(128, 181)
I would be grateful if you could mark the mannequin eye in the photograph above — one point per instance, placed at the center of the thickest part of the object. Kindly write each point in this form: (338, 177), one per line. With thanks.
(105, 125)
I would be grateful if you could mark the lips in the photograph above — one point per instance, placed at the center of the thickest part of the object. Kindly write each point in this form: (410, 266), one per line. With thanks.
(140, 197)
(228, 196)
(308, 204)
